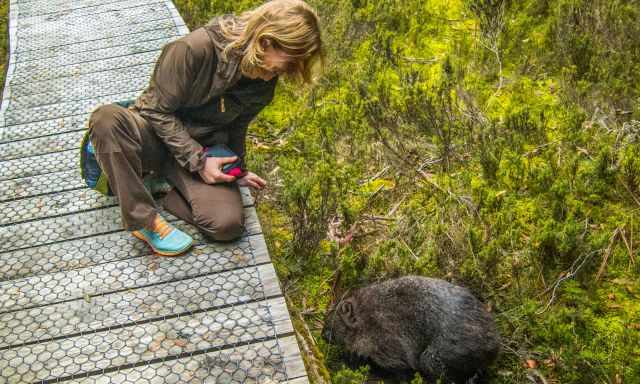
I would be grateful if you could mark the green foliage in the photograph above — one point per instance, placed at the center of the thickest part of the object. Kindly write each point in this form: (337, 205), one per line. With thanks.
(487, 143)
(591, 42)
(348, 376)
(417, 379)
(198, 12)
(4, 40)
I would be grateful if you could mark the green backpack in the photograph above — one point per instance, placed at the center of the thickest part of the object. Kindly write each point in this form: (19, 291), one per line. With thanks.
(90, 170)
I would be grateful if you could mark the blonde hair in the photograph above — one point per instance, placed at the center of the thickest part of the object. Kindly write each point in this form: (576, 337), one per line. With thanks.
(291, 26)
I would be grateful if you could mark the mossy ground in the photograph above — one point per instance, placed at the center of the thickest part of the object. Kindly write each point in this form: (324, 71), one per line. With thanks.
(492, 143)
(4, 40)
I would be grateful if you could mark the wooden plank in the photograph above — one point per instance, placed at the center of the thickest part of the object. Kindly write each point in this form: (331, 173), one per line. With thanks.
(280, 311)
(122, 347)
(68, 108)
(10, 67)
(92, 56)
(80, 225)
(96, 45)
(54, 204)
(78, 253)
(59, 181)
(111, 7)
(82, 33)
(43, 128)
(294, 363)
(125, 274)
(34, 73)
(260, 362)
(260, 250)
(139, 304)
(38, 165)
(44, 145)
(269, 280)
(74, 254)
(299, 380)
(130, 84)
(55, 4)
(81, 81)
(65, 203)
(76, 8)
(41, 184)
(31, 30)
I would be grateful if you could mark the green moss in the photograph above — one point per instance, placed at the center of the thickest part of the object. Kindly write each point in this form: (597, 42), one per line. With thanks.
(348, 376)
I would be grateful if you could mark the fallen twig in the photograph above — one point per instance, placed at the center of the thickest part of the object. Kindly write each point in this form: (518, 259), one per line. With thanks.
(573, 271)
(607, 253)
(535, 374)
(461, 200)
(378, 218)
(408, 248)
(380, 173)
(629, 245)
(419, 60)
(393, 209)
(633, 196)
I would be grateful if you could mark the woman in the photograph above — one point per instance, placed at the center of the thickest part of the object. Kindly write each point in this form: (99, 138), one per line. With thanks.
(205, 90)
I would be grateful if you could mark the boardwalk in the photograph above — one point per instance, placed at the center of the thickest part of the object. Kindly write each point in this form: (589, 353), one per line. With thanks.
(81, 301)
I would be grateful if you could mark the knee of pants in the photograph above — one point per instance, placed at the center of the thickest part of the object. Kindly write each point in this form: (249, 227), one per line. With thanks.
(104, 122)
(222, 228)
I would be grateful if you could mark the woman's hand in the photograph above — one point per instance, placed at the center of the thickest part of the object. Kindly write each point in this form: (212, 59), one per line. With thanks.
(252, 180)
(212, 171)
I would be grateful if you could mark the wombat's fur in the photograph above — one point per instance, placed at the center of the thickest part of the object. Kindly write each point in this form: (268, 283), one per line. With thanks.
(417, 323)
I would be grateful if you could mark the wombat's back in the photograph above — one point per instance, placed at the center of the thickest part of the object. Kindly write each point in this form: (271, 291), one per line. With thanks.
(452, 331)
(466, 339)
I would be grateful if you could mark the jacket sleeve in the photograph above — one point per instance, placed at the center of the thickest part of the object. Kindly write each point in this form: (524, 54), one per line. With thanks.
(169, 89)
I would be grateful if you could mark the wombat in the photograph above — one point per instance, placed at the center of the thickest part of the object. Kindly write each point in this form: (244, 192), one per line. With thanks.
(416, 323)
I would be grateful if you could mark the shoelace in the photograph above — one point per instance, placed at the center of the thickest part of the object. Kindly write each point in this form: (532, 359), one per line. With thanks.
(162, 228)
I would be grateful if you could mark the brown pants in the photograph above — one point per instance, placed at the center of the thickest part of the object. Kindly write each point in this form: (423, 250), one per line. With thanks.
(127, 149)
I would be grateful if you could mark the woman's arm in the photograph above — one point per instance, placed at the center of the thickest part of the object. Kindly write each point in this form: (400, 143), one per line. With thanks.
(170, 87)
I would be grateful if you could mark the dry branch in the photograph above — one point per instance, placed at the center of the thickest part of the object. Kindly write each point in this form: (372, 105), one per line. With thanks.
(571, 273)
(607, 253)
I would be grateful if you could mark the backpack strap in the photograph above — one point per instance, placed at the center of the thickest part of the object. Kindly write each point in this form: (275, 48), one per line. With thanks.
(125, 103)
(90, 170)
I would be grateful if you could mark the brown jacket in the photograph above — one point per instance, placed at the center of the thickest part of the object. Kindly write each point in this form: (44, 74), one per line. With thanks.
(195, 99)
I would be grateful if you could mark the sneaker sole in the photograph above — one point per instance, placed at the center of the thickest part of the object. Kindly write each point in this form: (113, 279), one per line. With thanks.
(162, 253)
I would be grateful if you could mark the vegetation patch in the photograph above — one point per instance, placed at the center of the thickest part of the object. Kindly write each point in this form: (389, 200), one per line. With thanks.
(490, 143)
(4, 40)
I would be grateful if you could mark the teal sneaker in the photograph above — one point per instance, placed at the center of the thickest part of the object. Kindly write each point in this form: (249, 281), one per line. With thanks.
(165, 239)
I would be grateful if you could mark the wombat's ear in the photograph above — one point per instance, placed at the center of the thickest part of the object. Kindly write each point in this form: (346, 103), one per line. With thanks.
(347, 312)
